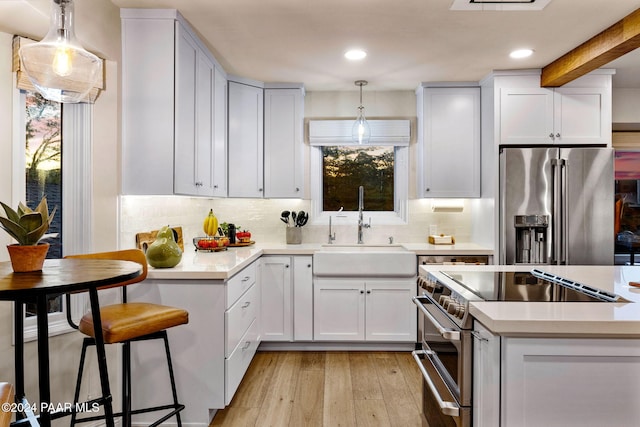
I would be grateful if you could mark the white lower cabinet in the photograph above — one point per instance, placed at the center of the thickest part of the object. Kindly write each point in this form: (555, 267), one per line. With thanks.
(302, 298)
(210, 354)
(486, 378)
(238, 362)
(364, 310)
(338, 310)
(287, 298)
(277, 320)
(559, 382)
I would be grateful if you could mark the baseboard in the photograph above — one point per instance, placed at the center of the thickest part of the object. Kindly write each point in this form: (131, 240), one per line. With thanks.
(335, 346)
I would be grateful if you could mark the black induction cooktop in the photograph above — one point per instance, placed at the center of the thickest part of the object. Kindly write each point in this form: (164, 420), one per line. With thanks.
(526, 286)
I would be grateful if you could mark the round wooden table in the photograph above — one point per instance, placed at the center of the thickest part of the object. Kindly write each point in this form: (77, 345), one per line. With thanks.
(58, 277)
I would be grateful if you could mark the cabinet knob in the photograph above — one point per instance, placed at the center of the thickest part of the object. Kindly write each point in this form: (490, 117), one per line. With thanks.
(551, 135)
(286, 266)
(557, 135)
(368, 292)
(215, 186)
(362, 292)
(297, 189)
(260, 190)
(309, 265)
(428, 189)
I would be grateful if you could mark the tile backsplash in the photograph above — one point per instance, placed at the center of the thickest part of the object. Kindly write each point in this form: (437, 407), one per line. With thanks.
(261, 216)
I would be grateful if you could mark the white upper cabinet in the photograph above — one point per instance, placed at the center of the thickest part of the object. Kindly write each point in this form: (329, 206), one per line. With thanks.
(265, 141)
(220, 135)
(174, 111)
(283, 143)
(246, 143)
(577, 113)
(448, 142)
(193, 118)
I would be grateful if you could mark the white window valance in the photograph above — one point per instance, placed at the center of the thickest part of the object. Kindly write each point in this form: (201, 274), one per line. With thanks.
(23, 82)
(338, 132)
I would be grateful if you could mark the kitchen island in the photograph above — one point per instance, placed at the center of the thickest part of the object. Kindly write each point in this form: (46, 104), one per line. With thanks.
(558, 363)
(586, 319)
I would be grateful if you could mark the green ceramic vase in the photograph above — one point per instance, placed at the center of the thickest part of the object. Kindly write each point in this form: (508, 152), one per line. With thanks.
(164, 252)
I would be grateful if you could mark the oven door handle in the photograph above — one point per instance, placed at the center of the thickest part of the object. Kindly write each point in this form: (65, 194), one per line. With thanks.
(448, 408)
(448, 334)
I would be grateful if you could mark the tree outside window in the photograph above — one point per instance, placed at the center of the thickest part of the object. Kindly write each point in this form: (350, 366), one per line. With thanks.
(346, 168)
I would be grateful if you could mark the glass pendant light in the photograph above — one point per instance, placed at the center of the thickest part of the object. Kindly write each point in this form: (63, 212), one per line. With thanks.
(58, 66)
(361, 132)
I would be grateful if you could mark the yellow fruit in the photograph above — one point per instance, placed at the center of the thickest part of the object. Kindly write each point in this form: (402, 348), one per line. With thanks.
(210, 225)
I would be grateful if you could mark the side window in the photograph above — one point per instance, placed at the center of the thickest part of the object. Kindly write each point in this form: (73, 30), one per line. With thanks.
(43, 172)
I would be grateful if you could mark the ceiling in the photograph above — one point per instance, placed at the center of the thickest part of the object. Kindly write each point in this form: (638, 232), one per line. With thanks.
(408, 41)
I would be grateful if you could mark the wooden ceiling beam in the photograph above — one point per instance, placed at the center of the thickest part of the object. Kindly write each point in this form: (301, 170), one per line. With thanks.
(617, 40)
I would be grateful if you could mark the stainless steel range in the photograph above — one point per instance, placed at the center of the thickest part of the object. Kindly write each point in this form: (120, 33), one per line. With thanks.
(446, 357)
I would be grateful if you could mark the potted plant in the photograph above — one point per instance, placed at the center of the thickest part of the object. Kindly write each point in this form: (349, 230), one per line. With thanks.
(27, 227)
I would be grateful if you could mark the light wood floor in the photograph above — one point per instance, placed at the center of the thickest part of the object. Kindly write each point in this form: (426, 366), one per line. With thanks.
(303, 389)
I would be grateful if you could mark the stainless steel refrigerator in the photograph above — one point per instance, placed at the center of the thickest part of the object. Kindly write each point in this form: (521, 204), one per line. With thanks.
(556, 206)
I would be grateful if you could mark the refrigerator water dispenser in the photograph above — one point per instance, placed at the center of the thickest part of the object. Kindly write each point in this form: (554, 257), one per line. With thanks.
(531, 238)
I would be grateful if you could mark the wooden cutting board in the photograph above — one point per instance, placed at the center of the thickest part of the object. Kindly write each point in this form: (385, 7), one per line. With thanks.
(143, 240)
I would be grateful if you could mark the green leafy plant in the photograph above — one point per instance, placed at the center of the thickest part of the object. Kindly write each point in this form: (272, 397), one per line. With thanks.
(25, 225)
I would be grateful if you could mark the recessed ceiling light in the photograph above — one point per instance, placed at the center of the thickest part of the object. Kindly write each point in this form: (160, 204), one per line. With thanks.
(521, 53)
(355, 54)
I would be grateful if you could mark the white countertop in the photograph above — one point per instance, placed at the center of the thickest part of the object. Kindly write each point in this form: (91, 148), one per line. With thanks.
(223, 265)
(568, 318)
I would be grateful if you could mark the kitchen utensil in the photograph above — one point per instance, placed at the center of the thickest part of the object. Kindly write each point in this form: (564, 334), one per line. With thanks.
(294, 217)
(285, 221)
(285, 217)
(303, 217)
(232, 233)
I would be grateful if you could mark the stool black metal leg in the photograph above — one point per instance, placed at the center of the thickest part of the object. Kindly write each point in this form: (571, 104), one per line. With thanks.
(171, 377)
(76, 396)
(18, 319)
(102, 357)
(126, 384)
(42, 319)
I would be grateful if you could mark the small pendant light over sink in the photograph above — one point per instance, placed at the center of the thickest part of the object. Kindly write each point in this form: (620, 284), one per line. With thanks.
(58, 66)
(361, 132)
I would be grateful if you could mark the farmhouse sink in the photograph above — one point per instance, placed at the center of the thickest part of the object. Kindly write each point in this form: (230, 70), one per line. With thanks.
(362, 248)
(364, 261)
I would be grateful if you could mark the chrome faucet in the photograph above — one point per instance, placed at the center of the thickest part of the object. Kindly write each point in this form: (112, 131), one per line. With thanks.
(332, 237)
(361, 223)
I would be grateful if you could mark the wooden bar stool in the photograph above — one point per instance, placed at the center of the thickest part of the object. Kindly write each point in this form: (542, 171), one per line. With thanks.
(125, 323)
(6, 396)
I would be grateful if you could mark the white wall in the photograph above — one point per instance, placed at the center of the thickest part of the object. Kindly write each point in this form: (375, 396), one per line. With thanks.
(626, 105)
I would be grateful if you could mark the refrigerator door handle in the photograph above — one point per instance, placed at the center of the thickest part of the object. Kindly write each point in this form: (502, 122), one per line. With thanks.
(554, 212)
(558, 209)
(564, 218)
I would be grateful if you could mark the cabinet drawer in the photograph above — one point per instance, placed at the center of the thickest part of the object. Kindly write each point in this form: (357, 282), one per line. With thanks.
(236, 365)
(239, 283)
(238, 318)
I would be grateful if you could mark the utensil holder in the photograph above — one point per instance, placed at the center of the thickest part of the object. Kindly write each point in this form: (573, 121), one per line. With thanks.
(294, 235)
